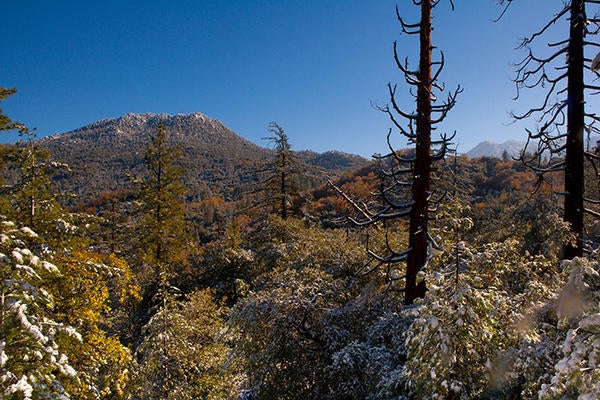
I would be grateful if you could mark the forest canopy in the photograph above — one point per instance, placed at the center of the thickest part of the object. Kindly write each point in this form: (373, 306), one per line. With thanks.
(421, 274)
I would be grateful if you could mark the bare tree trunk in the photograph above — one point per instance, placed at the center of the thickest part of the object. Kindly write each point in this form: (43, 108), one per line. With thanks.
(574, 187)
(421, 187)
(283, 188)
(401, 171)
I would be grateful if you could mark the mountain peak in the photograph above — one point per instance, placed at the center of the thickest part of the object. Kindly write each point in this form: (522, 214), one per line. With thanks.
(147, 119)
(488, 148)
(141, 126)
(216, 160)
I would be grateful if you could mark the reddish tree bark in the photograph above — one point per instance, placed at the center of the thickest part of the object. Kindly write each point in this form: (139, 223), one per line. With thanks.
(412, 170)
(418, 234)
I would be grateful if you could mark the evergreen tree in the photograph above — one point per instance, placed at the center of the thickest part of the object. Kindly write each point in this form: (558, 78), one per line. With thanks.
(32, 197)
(160, 237)
(29, 197)
(6, 124)
(280, 186)
(161, 228)
(32, 363)
(57, 299)
(281, 183)
(183, 352)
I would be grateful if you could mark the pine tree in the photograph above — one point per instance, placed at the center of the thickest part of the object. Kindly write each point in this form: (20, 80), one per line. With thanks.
(161, 229)
(6, 124)
(32, 197)
(279, 188)
(183, 352)
(158, 248)
(56, 297)
(32, 363)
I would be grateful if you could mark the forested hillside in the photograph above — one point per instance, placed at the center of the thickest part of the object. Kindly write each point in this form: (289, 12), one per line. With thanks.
(245, 274)
(107, 155)
(287, 308)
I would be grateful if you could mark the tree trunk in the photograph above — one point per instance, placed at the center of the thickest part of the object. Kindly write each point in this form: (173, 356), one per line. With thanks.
(575, 123)
(420, 189)
(283, 188)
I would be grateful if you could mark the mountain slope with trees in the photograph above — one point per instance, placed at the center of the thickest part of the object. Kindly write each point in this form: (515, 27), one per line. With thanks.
(216, 161)
(147, 296)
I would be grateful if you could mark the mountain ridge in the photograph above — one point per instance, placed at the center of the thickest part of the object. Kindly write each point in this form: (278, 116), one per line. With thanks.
(216, 160)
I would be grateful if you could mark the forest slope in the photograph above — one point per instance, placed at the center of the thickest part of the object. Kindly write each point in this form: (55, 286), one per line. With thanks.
(215, 159)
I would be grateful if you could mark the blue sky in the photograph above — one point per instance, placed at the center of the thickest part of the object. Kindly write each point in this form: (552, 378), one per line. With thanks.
(313, 66)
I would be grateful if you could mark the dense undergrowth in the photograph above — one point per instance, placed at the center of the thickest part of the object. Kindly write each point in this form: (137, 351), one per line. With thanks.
(129, 301)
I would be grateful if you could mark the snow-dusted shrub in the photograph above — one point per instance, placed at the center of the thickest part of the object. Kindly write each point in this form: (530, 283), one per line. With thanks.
(358, 368)
(32, 364)
(456, 343)
(281, 340)
(183, 353)
(577, 373)
(370, 367)
(482, 334)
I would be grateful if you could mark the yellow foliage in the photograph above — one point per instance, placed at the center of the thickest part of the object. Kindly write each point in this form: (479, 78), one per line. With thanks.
(88, 284)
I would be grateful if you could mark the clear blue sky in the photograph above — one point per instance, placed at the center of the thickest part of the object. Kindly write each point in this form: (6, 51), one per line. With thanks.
(313, 66)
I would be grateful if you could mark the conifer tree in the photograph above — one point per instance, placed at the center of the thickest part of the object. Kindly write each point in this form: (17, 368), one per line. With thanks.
(280, 186)
(283, 168)
(183, 353)
(6, 124)
(159, 244)
(30, 198)
(33, 200)
(55, 296)
(161, 228)
(32, 362)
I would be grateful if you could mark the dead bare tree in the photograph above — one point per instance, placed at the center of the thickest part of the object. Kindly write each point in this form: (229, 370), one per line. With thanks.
(562, 115)
(410, 170)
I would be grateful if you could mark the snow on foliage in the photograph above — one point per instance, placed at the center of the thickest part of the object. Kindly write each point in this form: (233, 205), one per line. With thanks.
(455, 342)
(488, 331)
(32, 363)
(539, 337)
(577, 373)
(28, 232)
(371, 366)
(182, 355)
